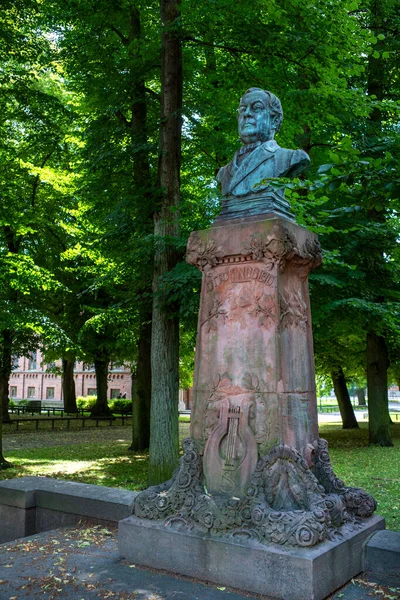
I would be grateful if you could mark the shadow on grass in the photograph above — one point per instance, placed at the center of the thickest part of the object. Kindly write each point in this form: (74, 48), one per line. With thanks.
(87, 463)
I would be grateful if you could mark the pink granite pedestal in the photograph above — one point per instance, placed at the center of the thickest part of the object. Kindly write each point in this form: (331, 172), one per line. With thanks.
(254, 349)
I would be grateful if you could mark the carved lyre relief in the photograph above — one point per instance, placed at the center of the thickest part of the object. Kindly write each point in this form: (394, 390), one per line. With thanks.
(230, 455)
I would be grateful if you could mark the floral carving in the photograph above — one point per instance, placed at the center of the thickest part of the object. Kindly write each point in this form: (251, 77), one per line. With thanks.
(286, 503)
(265, 310)
(293, 310)
(356, 500)
(280, 247)
(183, 502)
(203, 255)
(273, 250)
(312, 250)
(216, 312)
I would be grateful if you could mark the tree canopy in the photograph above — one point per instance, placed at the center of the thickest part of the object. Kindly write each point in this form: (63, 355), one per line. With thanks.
(116, 116)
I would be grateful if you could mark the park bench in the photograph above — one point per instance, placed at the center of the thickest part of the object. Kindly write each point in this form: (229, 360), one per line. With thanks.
(68, 420)
(49, 409)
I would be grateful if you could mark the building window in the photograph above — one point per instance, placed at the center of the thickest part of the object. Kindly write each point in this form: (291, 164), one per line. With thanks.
(91, 392)
(32, 365)
(115, 393)
(15, 362)
(31, 392)
(50, 393)
(13, 391)
(88, 366)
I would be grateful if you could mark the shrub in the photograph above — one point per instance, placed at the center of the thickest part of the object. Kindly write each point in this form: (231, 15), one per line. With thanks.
(86, 402)
(11, 403)
(120, 404)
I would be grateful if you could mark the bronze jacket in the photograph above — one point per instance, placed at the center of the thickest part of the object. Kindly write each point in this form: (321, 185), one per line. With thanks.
(268, 160)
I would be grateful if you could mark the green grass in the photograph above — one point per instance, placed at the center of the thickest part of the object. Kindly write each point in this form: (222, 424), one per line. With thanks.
(375, 469)
(100, 464)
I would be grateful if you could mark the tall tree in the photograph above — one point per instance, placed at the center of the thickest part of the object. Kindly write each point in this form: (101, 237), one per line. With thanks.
(164, 435)
(342, 394)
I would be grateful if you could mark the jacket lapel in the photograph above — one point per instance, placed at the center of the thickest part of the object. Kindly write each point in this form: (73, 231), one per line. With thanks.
(252, 162)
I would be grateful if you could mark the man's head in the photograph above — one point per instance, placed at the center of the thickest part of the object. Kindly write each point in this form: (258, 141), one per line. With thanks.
(260, 116)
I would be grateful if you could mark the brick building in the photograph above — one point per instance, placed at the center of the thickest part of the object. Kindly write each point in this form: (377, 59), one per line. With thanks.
(33, 379)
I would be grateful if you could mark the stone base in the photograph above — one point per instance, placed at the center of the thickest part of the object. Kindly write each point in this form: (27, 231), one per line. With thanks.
(287, 574)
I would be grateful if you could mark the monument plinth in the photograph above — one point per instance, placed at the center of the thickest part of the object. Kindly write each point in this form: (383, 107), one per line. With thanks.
(254, 349)
(255, 492)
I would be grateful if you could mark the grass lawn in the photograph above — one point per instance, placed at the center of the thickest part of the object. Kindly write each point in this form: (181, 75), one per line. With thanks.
(91, 459)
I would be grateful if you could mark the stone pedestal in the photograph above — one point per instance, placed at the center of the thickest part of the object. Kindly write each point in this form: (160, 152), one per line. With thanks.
(255, 485)
(273, 571)
(254, 351)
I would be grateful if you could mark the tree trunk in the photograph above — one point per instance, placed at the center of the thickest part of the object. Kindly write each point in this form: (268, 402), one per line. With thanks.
(361, 397)
(164, 433)
(342, 394)
(4, 398)
(378, 401)
(141, 391)
(5, 372)
(68, 385)
(101, 408)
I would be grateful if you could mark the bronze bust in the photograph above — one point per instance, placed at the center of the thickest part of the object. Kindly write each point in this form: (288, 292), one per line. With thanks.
(245, 181)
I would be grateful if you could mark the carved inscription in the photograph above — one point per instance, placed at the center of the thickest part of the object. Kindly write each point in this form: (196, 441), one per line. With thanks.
(239, 275)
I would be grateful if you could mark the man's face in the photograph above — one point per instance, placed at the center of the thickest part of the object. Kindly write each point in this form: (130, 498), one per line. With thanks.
(254, 118)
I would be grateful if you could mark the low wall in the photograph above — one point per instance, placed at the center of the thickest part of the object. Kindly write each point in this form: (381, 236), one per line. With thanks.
(30, 505)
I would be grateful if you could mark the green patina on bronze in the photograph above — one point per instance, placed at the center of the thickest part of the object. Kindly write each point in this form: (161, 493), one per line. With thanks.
(246, 182)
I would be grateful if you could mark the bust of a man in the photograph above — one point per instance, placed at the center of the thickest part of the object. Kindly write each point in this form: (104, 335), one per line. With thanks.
(260, 158)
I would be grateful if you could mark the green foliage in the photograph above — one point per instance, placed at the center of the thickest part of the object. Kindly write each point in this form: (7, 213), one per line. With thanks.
(120, 404)
(86, 402)
(117, 404)
(78, 165)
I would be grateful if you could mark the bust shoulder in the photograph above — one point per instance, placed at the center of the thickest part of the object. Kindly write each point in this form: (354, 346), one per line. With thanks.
(290, 163)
